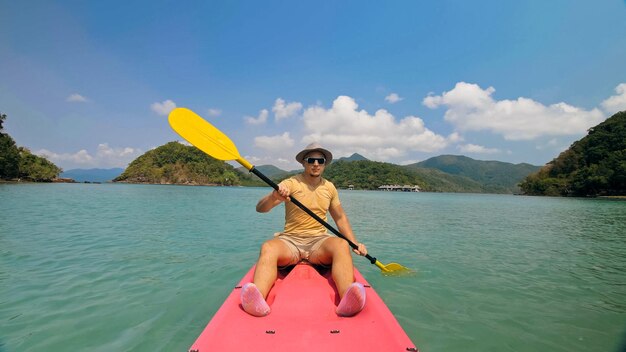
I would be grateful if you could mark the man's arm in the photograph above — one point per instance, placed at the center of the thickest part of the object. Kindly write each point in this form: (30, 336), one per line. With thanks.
(271, 200)
(343, 225)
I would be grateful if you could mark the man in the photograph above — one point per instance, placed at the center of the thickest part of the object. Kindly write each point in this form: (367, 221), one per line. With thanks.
(306, 239)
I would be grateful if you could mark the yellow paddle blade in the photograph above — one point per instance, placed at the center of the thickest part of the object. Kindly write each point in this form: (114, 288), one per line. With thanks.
(206, 137)
(393, 269)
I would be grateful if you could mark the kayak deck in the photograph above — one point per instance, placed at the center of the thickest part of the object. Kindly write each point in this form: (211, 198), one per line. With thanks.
(303, 302)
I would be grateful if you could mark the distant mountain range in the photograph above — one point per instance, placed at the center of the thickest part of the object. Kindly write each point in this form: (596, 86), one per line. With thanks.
(272, 171)
(92, 175)
(353, 157)
(445, 173)
(493, 176)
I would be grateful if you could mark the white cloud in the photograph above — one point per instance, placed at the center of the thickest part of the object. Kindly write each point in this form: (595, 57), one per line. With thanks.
(477, 149)
(283, 111)
(164, 107)
(214, 112)
(106, 152)
(274, 143)
(393, 98)
(82, 157)
(76, 98)
(105, 156)
(455, 138)
(261, 119)
(471, 108)
(346, 130)
(617, 102)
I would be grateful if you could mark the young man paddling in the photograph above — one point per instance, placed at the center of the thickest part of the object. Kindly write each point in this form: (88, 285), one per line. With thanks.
(306, 239)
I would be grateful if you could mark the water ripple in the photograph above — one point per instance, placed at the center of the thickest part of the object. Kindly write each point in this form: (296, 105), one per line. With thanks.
(142, 268)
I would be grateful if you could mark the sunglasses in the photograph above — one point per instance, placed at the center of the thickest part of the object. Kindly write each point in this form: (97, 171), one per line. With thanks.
(320, 161)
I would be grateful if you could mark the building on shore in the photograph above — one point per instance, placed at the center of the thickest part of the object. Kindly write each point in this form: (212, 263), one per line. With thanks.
(398, 188)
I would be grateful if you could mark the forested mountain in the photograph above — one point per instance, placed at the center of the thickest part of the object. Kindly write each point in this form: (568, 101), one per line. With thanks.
(18, 163)
(439, 181)
(494, 176)
(594, 165)
(365, 174)
(274, 172)
(353, 157)
(369, 175)
(270, 171)
(465, 174)
(175, 163)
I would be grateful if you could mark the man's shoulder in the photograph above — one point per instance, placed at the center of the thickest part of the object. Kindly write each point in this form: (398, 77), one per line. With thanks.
(292, 181)
(299, 179)
(295, 178)
(328, 183)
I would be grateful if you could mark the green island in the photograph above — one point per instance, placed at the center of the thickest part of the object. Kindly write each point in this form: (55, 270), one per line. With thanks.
(19, 164)
(592, 166)
(175, 163)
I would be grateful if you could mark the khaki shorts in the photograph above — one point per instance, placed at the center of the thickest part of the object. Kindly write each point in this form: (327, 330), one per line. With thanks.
(302, 246)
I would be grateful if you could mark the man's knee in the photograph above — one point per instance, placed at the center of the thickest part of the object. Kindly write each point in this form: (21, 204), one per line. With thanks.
(269, 249)
(338, 245)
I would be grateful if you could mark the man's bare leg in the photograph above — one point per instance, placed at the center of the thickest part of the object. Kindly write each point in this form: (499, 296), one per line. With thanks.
(336, 251)
(352, 295)
(274, 253)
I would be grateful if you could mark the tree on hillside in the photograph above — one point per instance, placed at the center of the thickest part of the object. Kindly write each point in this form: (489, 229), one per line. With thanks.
(36, 168)
(175, 163)
(365, 174)
(594, 165)
(9, 154)
(21, 163)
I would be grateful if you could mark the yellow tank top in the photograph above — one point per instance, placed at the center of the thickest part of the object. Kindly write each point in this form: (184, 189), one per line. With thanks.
(319, 199)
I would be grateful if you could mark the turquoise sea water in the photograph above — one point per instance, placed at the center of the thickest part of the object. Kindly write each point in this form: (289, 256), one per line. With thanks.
(88, 267)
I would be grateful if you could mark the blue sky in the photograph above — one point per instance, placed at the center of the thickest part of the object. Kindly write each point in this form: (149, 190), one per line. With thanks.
(89, 83)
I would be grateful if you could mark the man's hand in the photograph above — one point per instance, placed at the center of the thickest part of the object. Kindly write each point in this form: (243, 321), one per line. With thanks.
(273, 199)
(282, 194)
(361, 250)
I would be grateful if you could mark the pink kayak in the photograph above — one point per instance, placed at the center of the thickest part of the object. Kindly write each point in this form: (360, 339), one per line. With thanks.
(303, 303)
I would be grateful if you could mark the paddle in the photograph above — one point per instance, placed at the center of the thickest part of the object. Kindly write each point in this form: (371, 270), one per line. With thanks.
(212, 141)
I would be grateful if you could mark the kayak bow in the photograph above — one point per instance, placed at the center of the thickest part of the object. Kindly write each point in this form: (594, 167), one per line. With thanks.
(303, 303)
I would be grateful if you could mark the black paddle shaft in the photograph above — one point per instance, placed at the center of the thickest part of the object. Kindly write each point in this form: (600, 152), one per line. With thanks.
(312, 214)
